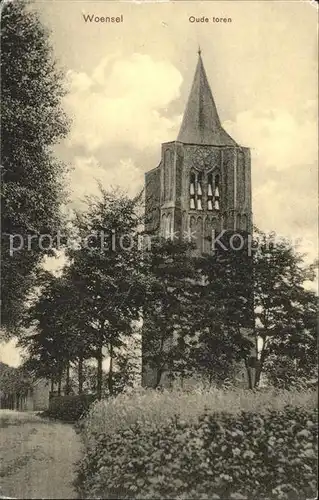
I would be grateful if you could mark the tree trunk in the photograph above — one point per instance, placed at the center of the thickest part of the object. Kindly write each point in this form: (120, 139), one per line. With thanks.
(99, 373)
(159, 374)
(52, 385)
(248, 370)
(259, 367)
(110, 376)
(59, 382)
(67, 383)
(80, 375)
(160, 369)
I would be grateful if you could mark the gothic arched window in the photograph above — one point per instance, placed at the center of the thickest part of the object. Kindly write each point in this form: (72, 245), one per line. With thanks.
(192, 227)
(210, 192)
(192, 190)
(208, 235)
(216, 192)
(199, 192)
(244, 222)
(199, 234)
(238, 222)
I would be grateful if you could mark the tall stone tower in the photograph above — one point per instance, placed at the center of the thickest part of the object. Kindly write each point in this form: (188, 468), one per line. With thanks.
(203, 181)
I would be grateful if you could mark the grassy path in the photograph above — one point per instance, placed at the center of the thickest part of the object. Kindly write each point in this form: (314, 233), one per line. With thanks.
(37, 457)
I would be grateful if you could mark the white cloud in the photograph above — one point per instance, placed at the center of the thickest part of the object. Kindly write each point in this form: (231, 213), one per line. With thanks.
(277, 137)
(88, 172)
(122, 102)
(283, 150)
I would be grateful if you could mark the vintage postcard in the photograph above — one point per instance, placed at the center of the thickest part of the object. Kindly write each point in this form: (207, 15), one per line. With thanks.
(159, 254)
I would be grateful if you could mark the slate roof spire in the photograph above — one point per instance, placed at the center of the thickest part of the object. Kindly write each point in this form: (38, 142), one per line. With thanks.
(201, 123)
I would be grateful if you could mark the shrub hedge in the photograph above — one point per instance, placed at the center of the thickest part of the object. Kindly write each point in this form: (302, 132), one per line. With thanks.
(112, 415)
(252, 455)
(70, 408)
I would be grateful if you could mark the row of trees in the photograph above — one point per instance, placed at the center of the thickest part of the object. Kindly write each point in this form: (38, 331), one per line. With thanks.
(14, 383)
(194, 310)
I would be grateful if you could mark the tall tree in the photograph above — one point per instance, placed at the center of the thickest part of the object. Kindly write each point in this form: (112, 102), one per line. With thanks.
(226, 313)
(14, 383)
(61, 334)
(169, 307)
(127, 366)
(53, 341)
(32, 122)
(106, 270)
(286, 312)
(255, 290)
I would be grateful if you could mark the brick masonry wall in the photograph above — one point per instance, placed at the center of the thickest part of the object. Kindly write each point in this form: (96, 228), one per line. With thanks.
(152, 199)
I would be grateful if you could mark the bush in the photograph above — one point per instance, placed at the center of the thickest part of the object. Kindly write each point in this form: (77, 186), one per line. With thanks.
(112, 415)
(268, 454)
(70, 408)
(283, 372)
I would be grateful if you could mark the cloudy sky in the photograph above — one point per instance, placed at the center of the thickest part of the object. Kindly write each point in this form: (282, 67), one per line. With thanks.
(128, 84)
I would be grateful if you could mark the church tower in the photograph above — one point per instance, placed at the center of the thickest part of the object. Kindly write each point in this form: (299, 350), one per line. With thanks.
(202, 185)
(203, 181)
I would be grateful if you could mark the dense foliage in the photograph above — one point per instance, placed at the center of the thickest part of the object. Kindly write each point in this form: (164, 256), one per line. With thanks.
(197, 314)
(105, 269)
(57, 339)
(143, 405)
(266, 453)
(285, 311)
(170, 299)
(32, 121)
(284, 371)
(13, 381)
(225, 313)
(71, 407)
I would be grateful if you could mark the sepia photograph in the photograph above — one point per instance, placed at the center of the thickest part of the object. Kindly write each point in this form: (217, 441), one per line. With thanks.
(159, 250)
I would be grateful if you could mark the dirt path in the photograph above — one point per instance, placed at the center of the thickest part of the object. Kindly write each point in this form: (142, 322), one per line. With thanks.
(37, 457)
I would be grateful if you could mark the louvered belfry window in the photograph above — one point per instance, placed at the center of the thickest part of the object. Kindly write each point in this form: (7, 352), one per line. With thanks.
(192, 186)
(199, 192)
(216, 193)
(210, 192)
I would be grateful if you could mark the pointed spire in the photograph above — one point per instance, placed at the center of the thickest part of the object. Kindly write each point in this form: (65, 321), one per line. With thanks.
(201, 123)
